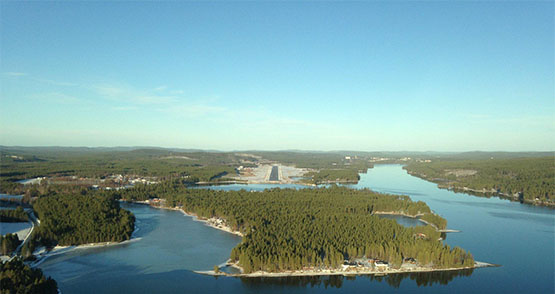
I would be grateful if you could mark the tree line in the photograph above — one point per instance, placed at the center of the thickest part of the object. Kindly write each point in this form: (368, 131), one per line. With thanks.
(9, 243)
(333, 176)
(13, 215)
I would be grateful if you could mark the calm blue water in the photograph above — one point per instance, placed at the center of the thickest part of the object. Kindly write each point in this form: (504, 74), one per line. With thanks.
(519, 237)
(403, 220)
(8, 197)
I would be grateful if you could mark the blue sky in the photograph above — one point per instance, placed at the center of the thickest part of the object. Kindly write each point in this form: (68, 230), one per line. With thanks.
(417, 76)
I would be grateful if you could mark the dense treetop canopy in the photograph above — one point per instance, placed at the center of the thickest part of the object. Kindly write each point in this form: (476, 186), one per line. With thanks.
(80, 219)
(18, 278)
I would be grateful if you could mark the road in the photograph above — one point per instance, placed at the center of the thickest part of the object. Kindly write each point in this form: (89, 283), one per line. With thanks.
(34, 222)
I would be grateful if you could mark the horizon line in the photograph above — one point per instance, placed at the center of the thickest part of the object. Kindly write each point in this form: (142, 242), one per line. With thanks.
(272, 150)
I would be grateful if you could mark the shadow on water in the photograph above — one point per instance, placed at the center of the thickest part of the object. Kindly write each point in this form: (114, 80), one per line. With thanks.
(166, 282)
(146, 220)
(427, 279)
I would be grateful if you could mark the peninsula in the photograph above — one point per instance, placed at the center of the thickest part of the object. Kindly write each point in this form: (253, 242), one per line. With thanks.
(320, 231)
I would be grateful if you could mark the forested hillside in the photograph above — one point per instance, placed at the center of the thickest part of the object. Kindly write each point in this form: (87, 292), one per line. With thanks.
(529, 178)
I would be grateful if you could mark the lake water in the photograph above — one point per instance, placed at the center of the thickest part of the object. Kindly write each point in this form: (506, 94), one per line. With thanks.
(10, 228)
(403, 220)
(11, 197)
(171, 245)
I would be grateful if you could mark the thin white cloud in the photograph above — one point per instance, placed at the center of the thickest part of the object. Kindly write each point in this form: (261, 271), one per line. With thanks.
(56, 83)
(58, 97)
(133, 96)
(161, 88)
(14, 74)
(40, 80)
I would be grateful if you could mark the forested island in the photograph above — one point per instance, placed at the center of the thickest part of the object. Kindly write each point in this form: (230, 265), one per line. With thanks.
(81, 219)
(286, 230)
(529, 180)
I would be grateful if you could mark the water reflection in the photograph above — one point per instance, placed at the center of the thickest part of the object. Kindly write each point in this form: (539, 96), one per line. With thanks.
(312, 281)
(426, 279)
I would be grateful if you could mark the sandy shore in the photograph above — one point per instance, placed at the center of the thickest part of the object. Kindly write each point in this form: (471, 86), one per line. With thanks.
(213, 222)
(41, 254)
(329, 272)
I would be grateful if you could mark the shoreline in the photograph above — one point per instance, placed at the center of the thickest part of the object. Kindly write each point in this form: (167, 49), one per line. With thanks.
(416, 217)
(57, 250)
(211, 222)
(338, 272)
(477, 192)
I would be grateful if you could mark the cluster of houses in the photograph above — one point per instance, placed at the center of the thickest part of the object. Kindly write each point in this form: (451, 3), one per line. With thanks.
(131, 179)
(125, 182)
(421, 236)
(423, 160)
(156, 202)
(216, 222)
(353, 265)
(377, 159)
(375, 264)
(113, 182)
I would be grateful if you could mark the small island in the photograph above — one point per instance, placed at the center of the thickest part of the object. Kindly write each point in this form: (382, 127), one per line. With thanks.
(319, 231)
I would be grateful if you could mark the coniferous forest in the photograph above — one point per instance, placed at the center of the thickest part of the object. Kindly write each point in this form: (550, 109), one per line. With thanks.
(9, 243)
(80, 219)
(18, 278)
(288, 229)
(13, 215)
